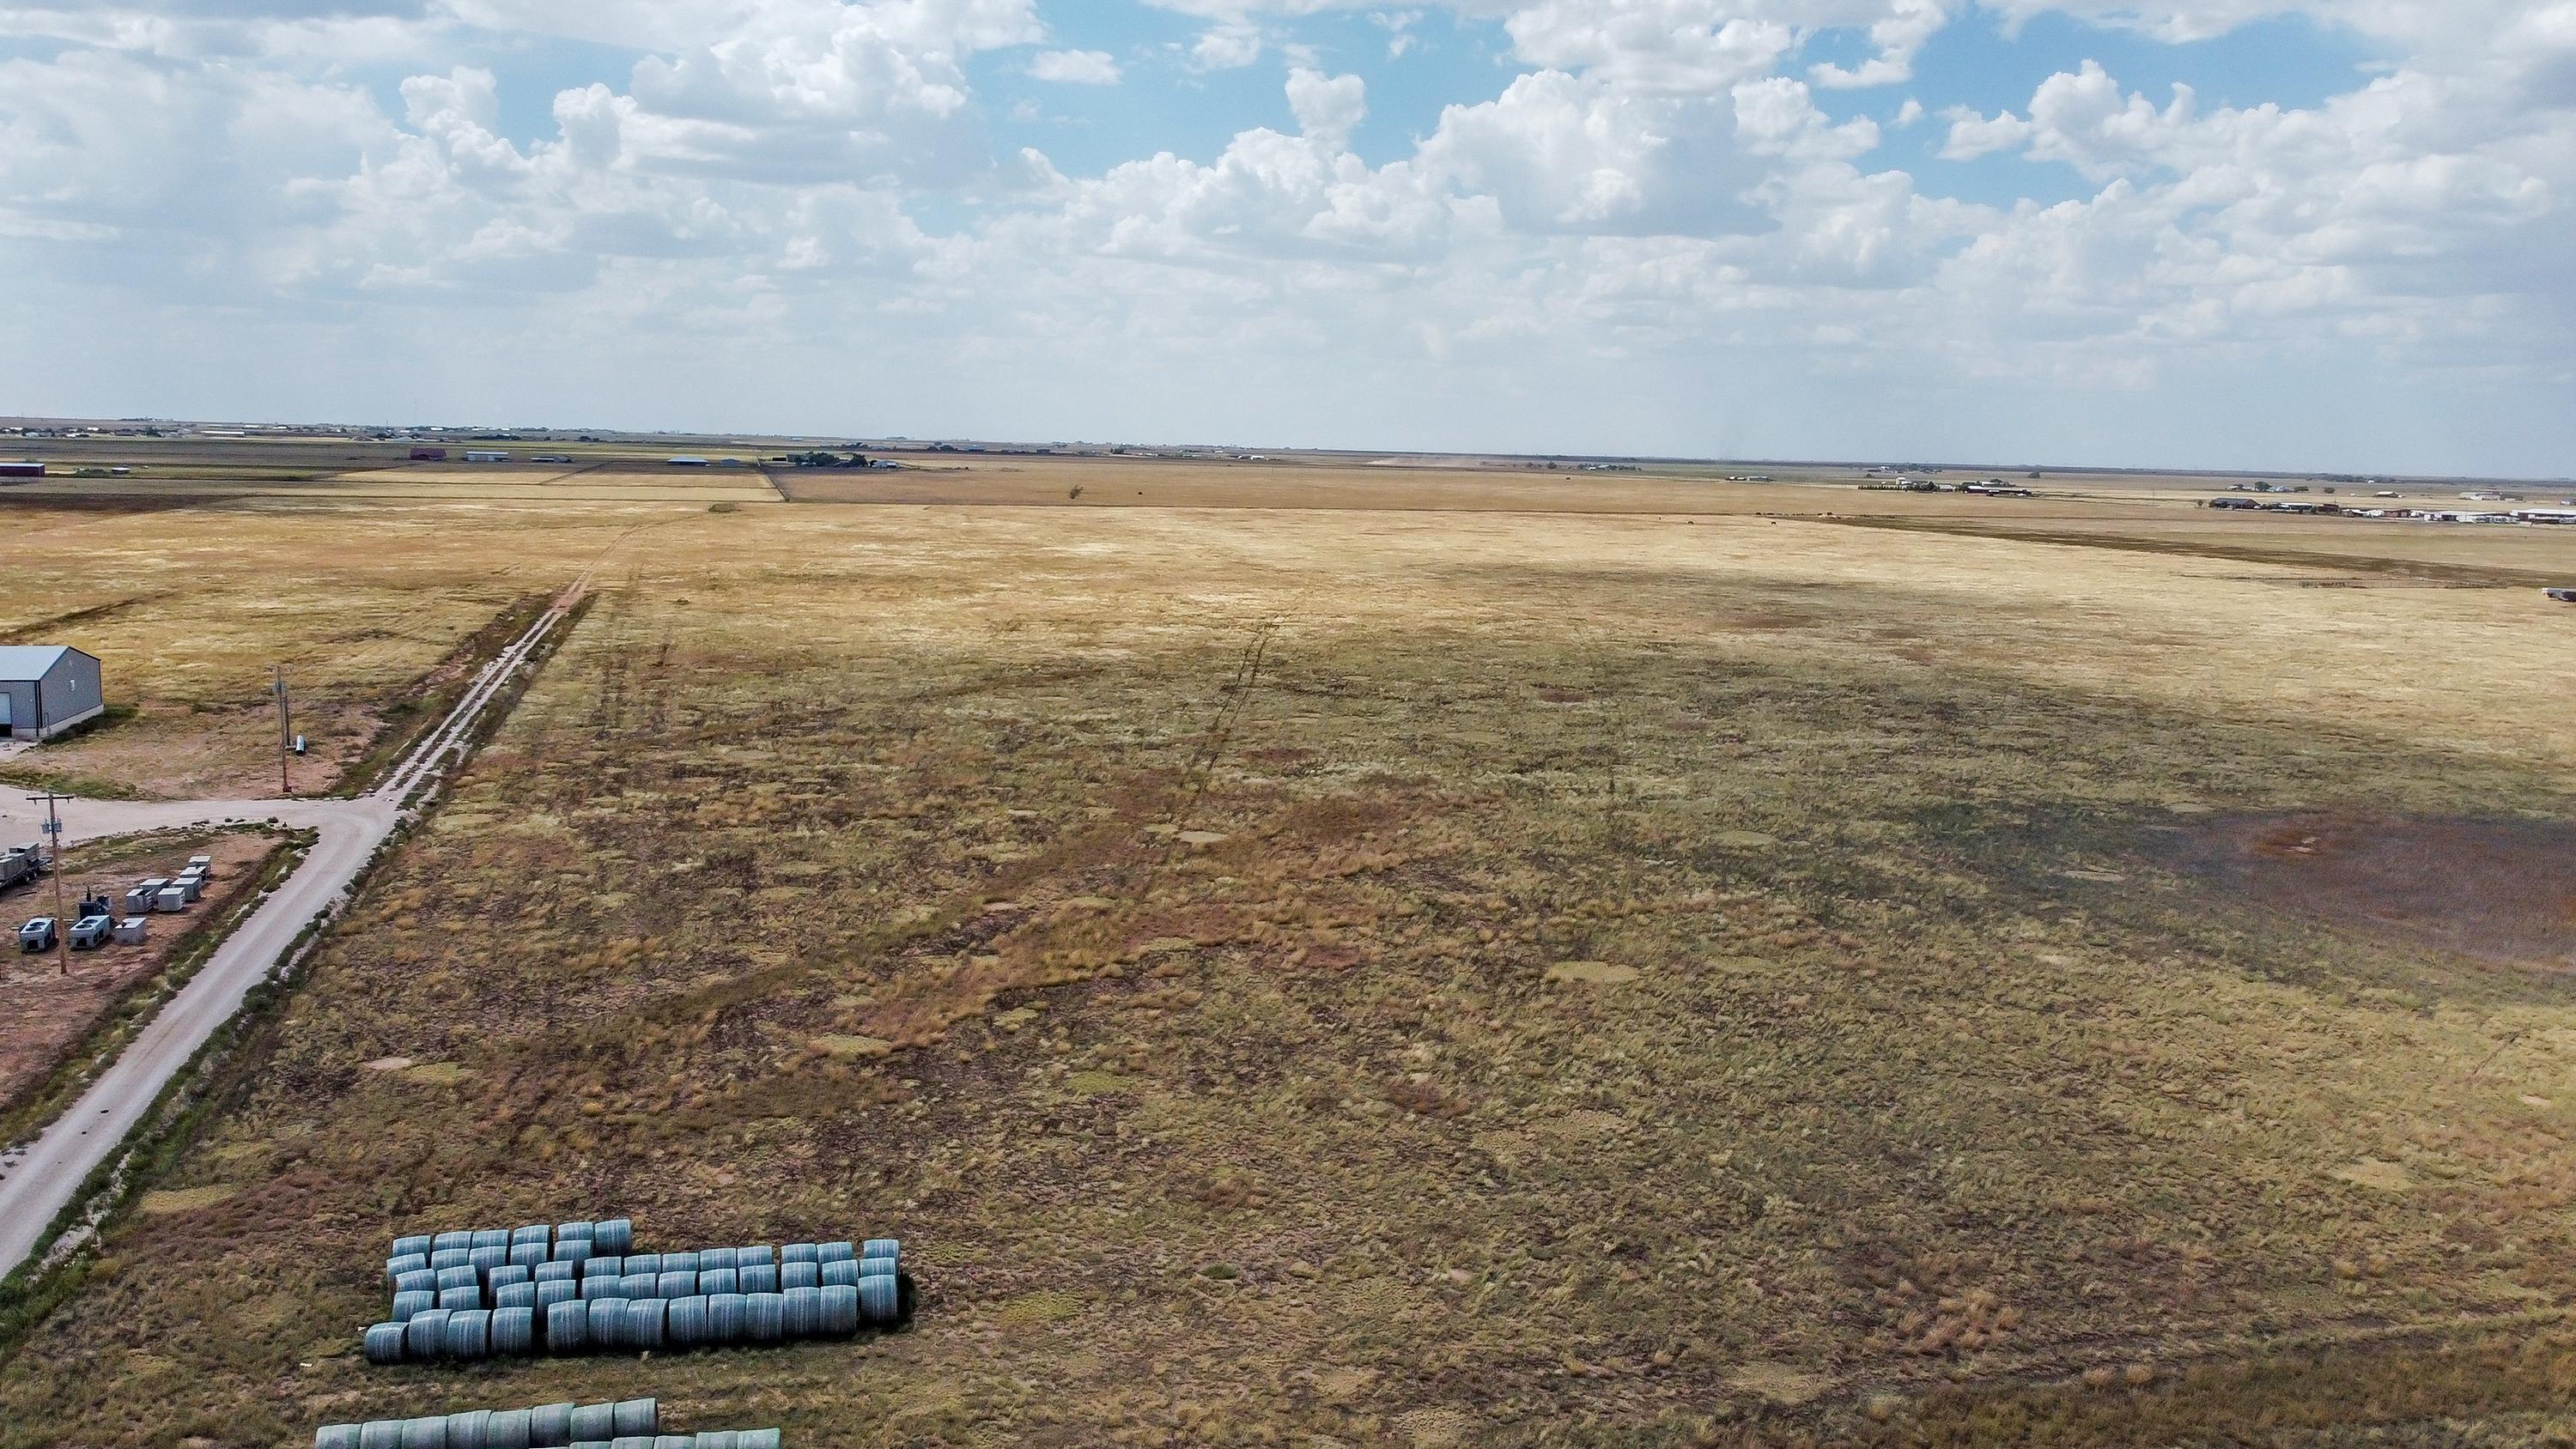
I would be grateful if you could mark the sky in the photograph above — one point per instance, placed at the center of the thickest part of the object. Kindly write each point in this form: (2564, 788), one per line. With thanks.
(2264, 234)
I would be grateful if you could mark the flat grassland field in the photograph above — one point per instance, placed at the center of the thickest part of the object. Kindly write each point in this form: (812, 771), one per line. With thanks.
(1532, 965)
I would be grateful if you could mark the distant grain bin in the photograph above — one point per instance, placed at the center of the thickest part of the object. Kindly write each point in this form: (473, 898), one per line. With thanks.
(46, 689)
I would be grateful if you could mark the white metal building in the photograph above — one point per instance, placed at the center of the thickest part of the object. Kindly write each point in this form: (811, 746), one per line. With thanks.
(46, 689)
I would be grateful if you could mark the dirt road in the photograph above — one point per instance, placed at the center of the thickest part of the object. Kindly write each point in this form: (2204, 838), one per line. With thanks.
(38, 1179)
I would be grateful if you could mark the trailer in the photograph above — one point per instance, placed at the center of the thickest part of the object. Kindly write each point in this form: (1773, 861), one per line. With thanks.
(2564, 596)
(20, 864)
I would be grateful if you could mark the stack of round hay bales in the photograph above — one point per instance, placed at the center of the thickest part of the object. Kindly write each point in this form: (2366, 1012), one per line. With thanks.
(621, 1425)
(460, 1297)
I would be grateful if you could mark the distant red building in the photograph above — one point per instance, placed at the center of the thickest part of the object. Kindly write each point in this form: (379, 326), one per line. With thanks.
(429, 455)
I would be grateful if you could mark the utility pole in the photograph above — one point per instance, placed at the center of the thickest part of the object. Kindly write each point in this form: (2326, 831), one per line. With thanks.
(54, 844)
(285, 723)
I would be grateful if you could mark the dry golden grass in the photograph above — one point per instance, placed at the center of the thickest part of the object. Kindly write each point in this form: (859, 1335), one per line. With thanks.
(189, 608)
(1389, 977)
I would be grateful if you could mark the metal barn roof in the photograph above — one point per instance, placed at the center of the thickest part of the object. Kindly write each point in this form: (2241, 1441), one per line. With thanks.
(30, 661)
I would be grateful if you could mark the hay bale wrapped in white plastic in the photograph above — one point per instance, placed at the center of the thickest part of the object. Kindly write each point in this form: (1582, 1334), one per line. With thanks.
(423, 1335)
(880, 1300)
(801, 1314)
(510, 1430)
(469, 1336)
(840, 1310)
(645, 1320)
(514, 1332)
(607, 1323)
(550, 1426)
(764, 1317)
(686, 1324)
(567, 1328)
(724, 1318)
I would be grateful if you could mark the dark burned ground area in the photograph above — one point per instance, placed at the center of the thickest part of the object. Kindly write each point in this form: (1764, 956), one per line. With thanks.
(2501, 891)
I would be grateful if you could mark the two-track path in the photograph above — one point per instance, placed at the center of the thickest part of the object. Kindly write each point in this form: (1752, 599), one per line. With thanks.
(39, 1178)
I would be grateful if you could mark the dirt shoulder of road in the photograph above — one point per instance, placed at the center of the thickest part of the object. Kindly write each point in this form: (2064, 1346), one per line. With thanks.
(54, 1027)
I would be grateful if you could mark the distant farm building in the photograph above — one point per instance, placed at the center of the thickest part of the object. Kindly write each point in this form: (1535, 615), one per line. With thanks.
(429, 455)
(485, 455)
(686, 462)
(22, 470)
(46, 689)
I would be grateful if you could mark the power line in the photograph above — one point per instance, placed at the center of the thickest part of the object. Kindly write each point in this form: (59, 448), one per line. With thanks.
(54, 843)
(285, 724)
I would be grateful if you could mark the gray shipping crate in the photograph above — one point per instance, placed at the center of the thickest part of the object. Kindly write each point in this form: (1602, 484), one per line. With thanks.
(202, 863)
(189, 887)
(138, 901)
(132, 931)
(171, 898)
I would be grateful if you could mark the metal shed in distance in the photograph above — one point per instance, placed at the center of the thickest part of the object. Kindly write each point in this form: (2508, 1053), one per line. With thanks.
(46, 689)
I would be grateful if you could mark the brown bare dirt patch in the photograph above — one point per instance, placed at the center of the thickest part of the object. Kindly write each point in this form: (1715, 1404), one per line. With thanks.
(2499, 891)
(48, 1014)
